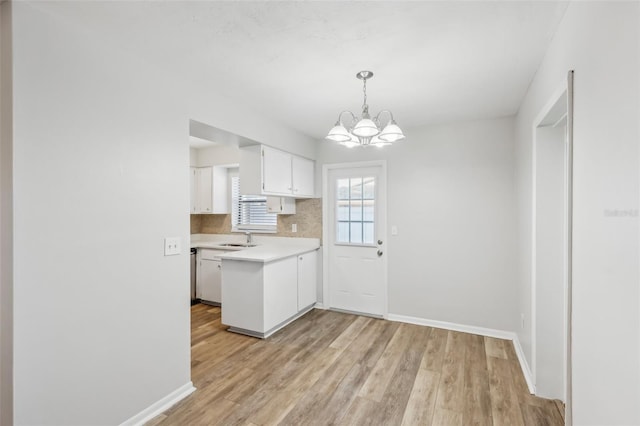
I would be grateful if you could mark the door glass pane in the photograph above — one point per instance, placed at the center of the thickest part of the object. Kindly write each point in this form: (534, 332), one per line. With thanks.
(343, 210)
(369, 188)
(355, 210)
(368, 210)
(343, 189)
(369, 233)
(356, 188)
(343, 232)
(356, 232)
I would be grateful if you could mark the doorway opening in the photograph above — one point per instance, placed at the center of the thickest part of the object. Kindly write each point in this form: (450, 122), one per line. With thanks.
(551, 247)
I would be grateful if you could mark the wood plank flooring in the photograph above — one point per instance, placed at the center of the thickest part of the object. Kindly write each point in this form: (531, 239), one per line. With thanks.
(330, 368)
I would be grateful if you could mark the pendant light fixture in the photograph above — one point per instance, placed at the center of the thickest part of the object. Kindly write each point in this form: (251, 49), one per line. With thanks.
(363, 131)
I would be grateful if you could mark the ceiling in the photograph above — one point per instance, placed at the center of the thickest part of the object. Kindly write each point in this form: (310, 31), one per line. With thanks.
(296, 62)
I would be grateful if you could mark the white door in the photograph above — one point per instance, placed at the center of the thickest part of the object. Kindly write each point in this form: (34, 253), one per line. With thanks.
(356, 226)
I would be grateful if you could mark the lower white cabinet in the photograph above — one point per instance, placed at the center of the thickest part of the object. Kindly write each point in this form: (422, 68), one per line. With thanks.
(307, 273)
(209, 276)
(280, 283)
(260, 298)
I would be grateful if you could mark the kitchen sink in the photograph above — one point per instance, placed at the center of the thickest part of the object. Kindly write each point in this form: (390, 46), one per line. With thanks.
(237, 245)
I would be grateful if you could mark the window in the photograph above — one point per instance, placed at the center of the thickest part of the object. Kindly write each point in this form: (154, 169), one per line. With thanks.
(356, 210)
(249, 212)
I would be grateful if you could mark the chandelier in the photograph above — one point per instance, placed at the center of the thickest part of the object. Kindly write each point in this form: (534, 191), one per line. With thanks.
(366, 130)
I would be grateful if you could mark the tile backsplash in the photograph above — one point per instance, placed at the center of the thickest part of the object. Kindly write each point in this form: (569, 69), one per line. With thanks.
(308, 217)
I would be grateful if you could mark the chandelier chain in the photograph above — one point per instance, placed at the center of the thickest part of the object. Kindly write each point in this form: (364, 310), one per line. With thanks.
(364, 90)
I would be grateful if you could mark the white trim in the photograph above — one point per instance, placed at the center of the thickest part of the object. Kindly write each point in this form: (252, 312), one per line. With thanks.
(481, 331)
(160, 406)
(325, 227)
(524, 365)
(320, 306)
(471, 329)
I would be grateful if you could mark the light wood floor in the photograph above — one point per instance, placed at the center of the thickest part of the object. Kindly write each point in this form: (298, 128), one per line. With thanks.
(334, 368)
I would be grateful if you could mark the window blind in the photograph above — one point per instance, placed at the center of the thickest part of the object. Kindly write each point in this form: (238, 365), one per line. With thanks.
(249, 212)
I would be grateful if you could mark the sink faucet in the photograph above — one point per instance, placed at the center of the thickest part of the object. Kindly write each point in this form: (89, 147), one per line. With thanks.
(249, 237)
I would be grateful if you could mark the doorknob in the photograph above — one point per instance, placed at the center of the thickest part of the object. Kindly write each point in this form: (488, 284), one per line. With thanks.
(379, 253)
(379, 242)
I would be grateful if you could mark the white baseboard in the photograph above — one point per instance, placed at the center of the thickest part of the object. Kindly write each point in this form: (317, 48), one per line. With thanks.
(489, 332)
(524, 365)
(159, 406)
(481, 331)
(320, 306)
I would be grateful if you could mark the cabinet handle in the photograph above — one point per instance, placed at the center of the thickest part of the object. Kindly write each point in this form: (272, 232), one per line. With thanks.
(300, 258)
(219, 266)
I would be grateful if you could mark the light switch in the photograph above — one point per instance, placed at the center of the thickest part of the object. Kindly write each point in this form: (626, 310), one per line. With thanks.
(171, 246)
(394, 230)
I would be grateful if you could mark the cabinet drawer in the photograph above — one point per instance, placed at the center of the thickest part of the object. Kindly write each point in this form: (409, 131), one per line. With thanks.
(208, 254)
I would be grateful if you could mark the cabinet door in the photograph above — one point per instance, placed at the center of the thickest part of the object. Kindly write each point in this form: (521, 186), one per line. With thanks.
(205, 195)
(209, 279)
(220, 197)
(280, 292)
(194, 194)
(302, 171)
(281, 205)
(276, 171)
(307, 273)
(274, 205)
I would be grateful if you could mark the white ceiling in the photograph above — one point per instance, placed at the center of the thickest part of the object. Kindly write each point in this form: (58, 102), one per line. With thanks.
(296, 61)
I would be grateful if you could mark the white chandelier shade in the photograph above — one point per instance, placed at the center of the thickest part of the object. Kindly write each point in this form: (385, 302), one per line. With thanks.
(365, 131)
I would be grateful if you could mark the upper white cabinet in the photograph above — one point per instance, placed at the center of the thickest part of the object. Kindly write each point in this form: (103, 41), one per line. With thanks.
(281, 205)
(269, 171)
(302, 177)
(276, 171)
(209, 194)
(193, 186)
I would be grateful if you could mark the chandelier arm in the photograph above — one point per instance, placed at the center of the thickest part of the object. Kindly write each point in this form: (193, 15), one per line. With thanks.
(377, 118)
(353, 117)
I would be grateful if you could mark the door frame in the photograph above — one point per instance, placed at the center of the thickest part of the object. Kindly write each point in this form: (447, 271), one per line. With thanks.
(326, 168)
(566, 87)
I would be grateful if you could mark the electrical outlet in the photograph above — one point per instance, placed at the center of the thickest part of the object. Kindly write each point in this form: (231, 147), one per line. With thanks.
(294, 227)
(171, 246)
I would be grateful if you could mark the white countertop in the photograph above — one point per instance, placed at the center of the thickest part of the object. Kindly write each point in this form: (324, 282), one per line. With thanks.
(267, 249)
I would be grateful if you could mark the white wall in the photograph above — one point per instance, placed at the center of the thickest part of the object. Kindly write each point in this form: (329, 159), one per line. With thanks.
(450, 193)
(6, 219)
(193, 157)
(101, 154)
(600, 41)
